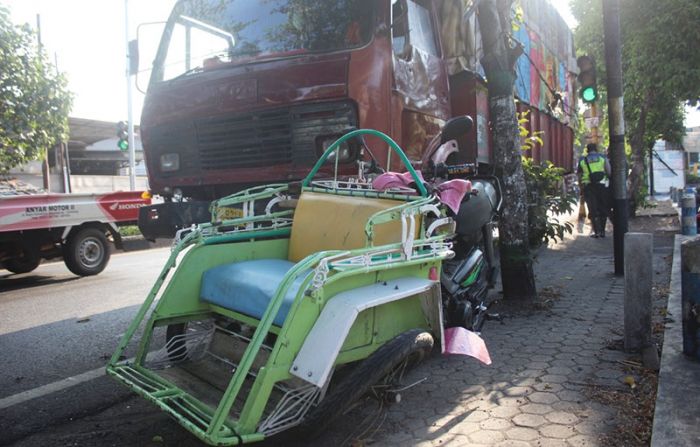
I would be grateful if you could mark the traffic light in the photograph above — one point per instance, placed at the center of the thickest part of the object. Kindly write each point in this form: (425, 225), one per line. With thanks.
(588, 91)
(123, 135)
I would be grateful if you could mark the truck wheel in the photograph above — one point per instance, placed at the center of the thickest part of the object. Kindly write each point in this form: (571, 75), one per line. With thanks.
(87, 252)
(24, 264)
(381, 367)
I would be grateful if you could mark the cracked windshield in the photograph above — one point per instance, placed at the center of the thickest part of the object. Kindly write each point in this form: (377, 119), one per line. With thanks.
(202, 35)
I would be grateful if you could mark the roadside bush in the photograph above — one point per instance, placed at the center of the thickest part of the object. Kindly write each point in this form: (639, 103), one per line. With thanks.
(548, 200)
(129, 230)
(691, 178)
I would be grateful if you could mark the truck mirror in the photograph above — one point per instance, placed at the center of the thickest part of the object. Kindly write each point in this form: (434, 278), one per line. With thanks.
(145, 47)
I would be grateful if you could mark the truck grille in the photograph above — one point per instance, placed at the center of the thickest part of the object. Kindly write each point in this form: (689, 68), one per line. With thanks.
(270, 137)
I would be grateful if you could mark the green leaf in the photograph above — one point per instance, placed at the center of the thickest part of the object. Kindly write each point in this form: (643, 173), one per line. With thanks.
(34, 100)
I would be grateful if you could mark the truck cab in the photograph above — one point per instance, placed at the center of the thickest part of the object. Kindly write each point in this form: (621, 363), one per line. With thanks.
(245, 93)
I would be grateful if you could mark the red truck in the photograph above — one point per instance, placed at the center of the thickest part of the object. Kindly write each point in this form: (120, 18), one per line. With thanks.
(245, 93)
(75, 227)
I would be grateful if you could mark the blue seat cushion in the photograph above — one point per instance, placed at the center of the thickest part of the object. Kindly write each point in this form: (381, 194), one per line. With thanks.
(248, 287)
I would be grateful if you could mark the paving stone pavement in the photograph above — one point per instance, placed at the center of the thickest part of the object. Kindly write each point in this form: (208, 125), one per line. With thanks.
(534, 392)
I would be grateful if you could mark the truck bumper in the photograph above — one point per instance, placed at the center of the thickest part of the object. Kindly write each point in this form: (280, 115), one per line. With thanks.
(164, 219)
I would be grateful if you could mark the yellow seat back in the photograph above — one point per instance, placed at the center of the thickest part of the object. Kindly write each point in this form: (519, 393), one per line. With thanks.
(331, 222)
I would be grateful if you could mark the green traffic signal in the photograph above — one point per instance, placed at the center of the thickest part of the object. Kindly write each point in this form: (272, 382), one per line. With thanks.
(589, 94)
(123, 135)
(587, 79)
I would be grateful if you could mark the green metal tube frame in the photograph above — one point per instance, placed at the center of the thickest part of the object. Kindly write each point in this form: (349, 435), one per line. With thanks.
(220, 414)
(257, 192)
(393, 213)
(333, 147)
(199, 236)
(169, 264)
(268, 317)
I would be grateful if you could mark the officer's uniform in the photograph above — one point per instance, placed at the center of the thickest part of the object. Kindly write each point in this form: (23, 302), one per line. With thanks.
(595, 193)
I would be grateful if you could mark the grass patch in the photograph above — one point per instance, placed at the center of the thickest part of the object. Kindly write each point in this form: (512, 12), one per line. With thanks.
(129, 230)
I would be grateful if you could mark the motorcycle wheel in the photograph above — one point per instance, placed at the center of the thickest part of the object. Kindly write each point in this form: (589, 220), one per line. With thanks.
(380, 369)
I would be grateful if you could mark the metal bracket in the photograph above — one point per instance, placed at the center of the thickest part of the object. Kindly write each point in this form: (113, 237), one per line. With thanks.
(439, 223)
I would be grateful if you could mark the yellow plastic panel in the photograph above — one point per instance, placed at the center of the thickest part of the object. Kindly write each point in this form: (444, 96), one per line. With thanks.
(331, 222)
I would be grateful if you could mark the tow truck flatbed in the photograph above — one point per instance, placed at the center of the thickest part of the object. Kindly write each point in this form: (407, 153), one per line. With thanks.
(75, 227)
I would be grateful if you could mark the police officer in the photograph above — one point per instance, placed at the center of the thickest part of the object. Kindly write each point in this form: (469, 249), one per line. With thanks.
(593, 171)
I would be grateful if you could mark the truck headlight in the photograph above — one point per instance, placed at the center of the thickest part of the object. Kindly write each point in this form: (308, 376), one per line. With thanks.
(169, 162)
(346, 152)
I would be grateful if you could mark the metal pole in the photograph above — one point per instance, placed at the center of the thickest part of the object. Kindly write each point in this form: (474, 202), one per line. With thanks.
(66, 159)
(616, 120)
(45, 172)
(594, 119)
(652, 191)
(63, 146)
(130, 113)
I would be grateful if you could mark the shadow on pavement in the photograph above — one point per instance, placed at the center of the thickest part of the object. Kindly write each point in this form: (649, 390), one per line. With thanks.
(11, 281)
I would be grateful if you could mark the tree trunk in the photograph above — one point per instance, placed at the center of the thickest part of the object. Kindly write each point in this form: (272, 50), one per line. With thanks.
(516, 263)
(639, 151)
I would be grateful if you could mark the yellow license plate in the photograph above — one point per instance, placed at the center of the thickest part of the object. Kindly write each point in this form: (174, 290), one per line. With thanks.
(226, 213)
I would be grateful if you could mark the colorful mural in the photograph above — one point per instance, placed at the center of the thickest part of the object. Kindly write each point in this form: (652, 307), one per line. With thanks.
(544, 69)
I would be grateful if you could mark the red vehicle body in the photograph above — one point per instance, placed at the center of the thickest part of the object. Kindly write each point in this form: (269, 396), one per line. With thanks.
(72, 226)
(255, 113)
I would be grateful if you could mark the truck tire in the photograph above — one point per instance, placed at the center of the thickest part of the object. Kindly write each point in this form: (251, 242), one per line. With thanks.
(86, 252)
(24, 264)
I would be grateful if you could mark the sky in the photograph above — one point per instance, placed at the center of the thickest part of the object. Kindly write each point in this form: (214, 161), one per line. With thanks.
(87, 40)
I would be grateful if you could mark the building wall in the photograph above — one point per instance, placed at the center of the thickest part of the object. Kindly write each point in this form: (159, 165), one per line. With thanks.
(105, 183)
(691, 145)
(664, 178)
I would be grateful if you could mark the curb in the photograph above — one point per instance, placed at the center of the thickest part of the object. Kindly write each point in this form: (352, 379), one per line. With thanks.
(136, 243)
(676, 419)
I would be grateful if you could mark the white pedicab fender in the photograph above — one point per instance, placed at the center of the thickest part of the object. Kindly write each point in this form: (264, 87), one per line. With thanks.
(316, 358)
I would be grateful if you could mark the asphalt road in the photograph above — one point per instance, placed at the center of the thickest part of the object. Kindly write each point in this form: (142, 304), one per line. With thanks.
(54, 326)
(57, 332)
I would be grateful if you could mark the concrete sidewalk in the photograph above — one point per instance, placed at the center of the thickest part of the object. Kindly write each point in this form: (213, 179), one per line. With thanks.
(558, 374)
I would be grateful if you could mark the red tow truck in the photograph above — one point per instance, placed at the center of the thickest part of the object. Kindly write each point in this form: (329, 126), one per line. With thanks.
(76, 227)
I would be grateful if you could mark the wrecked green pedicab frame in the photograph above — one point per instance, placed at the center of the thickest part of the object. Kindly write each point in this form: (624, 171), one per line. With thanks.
(351, 290)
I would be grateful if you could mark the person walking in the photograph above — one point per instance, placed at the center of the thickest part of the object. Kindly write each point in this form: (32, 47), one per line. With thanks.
(593, 170)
